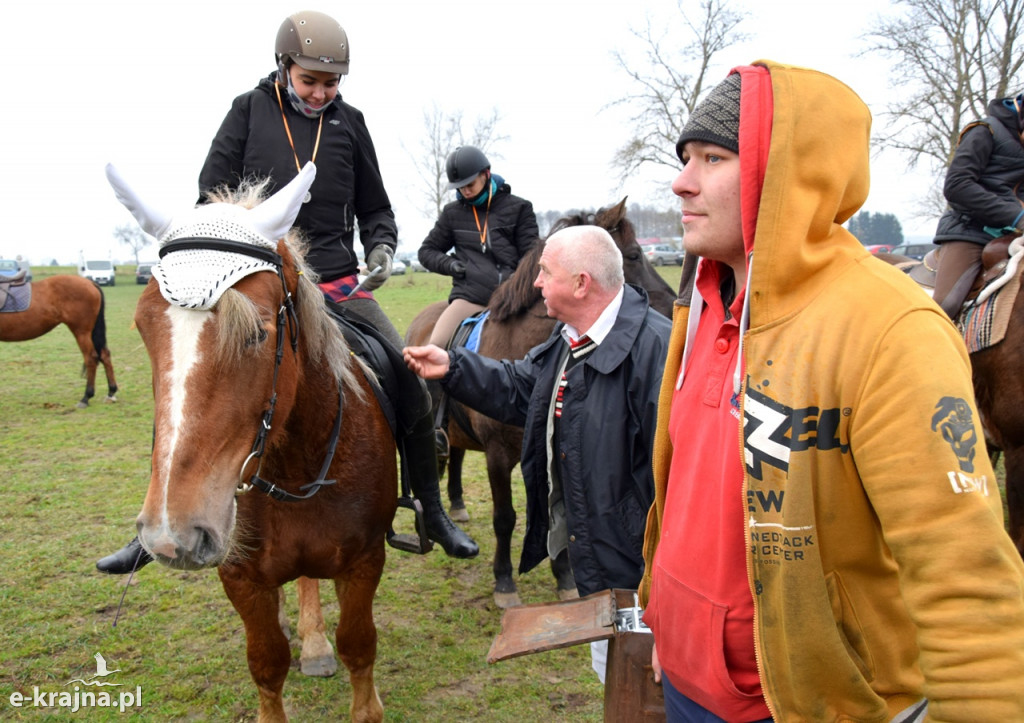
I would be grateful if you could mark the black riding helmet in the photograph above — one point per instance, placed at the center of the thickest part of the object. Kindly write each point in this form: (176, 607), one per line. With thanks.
(464, 164)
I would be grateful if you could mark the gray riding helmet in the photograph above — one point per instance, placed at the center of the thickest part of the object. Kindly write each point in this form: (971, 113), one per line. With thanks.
(315, 41)
(464, 164)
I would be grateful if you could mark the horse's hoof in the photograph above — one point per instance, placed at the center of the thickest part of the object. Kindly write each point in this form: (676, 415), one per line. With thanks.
(505, 600)
(110, 400)
(82, 405)
(573, 594)
(323, 667)
(458, 514)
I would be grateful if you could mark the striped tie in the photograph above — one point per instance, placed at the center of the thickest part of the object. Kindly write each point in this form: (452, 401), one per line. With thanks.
(577, 350)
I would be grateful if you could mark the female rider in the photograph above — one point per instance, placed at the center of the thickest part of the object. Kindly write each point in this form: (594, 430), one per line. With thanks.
(489, 229)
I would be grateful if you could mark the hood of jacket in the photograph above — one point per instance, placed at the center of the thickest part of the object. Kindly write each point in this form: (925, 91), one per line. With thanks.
(1001, 109)
(804, 163)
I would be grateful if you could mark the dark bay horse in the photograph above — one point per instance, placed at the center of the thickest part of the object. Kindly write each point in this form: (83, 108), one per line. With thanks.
(255, 387)
(517, 322)
(998, 389)
(77, 303)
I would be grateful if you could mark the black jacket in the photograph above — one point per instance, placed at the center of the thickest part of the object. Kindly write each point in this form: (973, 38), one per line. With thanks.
(511, 231)
(252, 143)
(985, 180)
(607, 429)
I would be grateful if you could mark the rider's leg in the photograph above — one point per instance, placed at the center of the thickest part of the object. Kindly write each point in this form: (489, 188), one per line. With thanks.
(959, 264)
(416, 443)
(453, 315)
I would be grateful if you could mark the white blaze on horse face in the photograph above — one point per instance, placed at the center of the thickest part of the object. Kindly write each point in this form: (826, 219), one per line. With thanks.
(186, 327)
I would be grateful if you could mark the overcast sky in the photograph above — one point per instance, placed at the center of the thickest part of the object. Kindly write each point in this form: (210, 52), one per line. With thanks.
(145, 85)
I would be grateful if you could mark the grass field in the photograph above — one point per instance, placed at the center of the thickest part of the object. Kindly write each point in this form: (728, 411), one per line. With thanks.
(75, 480)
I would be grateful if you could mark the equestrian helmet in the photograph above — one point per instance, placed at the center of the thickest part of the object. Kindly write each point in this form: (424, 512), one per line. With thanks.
(315, 41)
(464, 164)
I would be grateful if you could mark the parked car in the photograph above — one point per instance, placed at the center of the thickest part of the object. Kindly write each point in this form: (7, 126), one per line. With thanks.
(397, 267)
(143, 273)
(10, 267)
(661, 254)
(913, 251)
(880, 248)
(100, 270)
(412, 262)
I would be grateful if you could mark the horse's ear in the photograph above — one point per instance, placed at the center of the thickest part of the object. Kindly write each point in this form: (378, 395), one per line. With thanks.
(275, 216)
(152, 221)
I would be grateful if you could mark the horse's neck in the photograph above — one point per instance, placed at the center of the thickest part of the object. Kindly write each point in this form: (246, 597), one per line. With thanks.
(512, 338)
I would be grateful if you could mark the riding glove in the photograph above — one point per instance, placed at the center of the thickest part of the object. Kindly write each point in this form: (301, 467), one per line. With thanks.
(457, 268)
(380, 256)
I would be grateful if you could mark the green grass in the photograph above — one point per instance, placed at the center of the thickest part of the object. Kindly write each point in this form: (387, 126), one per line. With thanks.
(74, 481)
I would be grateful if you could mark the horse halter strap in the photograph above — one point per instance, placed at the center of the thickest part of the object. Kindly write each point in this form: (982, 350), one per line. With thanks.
(286, 317)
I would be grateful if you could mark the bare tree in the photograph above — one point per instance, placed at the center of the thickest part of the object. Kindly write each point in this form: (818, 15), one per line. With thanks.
(443, 133)
(671, 80)
(133, 237)
(951, 57)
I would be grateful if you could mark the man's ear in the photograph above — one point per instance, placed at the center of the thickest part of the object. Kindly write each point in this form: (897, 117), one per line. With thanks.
(582, 284)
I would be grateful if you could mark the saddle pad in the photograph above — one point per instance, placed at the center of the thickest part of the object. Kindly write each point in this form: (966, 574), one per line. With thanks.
(477, 323)
(984, 322)
(17, 298)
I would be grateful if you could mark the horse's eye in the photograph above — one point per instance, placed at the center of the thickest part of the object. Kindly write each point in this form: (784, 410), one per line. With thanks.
(633, 256)
(257, 337)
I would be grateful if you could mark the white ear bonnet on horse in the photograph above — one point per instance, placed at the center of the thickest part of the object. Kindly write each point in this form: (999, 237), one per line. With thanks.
(196, 278)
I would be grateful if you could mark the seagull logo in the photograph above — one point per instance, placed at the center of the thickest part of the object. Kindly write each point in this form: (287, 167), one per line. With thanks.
(101, 672)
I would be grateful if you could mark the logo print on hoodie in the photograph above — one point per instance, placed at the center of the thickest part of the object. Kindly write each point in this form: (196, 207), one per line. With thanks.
(772, 431)
(953, 420)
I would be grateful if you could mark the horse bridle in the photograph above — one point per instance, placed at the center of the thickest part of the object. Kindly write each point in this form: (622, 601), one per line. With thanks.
(286, 317)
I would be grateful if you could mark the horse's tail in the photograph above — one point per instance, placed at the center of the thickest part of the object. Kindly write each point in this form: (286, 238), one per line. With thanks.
(99, 330)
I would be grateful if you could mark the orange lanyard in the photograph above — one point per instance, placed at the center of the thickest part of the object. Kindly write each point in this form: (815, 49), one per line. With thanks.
(487, 214)
(287, 130)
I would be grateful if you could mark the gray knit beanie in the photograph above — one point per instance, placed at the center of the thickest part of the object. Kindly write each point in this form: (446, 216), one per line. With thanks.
(716, 119)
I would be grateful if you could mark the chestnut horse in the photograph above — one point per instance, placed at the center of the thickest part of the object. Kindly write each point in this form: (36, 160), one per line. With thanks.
(77, 303)
(517, 322)
(999, 394)
(254, 386)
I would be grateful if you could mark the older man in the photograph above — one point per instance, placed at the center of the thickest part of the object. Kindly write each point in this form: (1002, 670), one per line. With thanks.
(587, 398)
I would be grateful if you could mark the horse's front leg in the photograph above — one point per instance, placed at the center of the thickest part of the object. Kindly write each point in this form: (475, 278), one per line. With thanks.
(266, 645)
(317, 658)
(499, 474)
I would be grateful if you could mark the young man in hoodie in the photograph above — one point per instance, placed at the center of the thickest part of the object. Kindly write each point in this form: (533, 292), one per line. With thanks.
(826, 541)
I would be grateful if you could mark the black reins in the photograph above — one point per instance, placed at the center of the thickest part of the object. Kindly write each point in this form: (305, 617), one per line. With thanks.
(286, 317)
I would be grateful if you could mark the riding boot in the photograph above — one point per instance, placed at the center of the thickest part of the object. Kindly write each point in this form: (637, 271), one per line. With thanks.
(419, 467)
(129, 558)
(959, 264)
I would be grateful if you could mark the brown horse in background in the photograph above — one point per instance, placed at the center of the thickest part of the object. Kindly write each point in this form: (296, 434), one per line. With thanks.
(77, 303)
(998, 386)
(517, 322)
(259, 389)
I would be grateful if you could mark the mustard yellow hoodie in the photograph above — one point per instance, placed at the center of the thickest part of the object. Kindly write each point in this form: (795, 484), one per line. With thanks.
(881, 574)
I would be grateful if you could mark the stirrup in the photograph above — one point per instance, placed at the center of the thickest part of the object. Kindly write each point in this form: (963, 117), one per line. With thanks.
(419, 543)
(442, 444)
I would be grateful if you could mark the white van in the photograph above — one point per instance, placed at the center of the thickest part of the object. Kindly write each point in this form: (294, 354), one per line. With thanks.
(100, 271)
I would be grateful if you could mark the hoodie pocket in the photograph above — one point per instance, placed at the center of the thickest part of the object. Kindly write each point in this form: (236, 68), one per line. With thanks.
(849, 627)
(689, 631)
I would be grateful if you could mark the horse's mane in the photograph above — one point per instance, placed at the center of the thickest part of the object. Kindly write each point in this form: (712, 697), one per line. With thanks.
(517, 293)
(240, 323)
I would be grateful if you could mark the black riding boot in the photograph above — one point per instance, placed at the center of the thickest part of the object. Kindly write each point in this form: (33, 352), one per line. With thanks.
(129, 558)
(419, 466)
